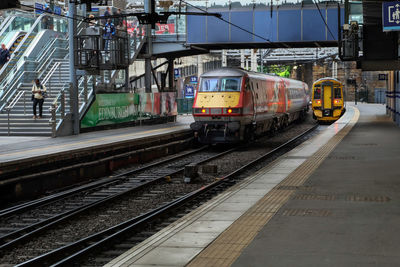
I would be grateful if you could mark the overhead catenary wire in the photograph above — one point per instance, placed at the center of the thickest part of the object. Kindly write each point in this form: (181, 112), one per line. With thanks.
(85, 19)
(239, 27)
(323, 19)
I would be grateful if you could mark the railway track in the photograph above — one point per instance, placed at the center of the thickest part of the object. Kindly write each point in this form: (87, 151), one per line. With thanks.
(138, 226)
(22, 222)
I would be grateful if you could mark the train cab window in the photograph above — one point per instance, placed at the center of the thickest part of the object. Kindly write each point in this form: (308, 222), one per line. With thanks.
(338, 93)
(209, 85)
(317, 93)
(230, 84)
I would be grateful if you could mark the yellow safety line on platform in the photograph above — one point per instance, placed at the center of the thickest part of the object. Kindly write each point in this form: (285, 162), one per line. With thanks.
(224, 250)
(118, 137)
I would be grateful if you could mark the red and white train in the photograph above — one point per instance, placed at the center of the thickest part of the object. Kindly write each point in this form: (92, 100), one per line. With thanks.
(233, 105)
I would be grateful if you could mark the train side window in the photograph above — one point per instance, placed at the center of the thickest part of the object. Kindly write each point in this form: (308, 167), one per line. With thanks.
(317, 93)
(338, 93)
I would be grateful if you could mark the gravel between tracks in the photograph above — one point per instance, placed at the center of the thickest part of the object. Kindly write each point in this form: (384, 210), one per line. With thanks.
(137, 203)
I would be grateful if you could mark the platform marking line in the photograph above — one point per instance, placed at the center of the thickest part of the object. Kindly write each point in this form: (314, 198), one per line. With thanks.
(224, 250)
(85, 142)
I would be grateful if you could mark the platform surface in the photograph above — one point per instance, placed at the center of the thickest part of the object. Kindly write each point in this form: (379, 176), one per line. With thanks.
(17, 148)
(348, 213)
(332, 201)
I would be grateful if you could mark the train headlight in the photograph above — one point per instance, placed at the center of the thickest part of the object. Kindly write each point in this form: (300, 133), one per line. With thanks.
(337, 101)
(203, 110)
(232, 110)
(318, 102)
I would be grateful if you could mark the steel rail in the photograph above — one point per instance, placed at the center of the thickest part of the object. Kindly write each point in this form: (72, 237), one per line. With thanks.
(67, 255)
(46, 200)
(35, 229)
(41, 226)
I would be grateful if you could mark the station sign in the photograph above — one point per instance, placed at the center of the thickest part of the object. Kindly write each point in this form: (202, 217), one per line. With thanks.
(57, 10)
(193, 79)
(391, 16)
(189, 91)
(382, 77)
(177, 73)
(39, 8)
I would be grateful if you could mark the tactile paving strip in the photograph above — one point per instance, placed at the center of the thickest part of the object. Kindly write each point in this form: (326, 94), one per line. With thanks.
(229, 245)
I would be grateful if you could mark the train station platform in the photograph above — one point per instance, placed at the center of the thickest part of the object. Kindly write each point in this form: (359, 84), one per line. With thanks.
(332, 201)
(17, 150)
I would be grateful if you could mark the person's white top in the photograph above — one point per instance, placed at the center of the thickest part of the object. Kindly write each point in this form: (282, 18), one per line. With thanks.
(41, 89)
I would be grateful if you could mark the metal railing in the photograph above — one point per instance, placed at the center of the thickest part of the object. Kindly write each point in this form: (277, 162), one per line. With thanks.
(22, 76)
(11, 106)
(14, 63)
(136, 41)
(58, 107)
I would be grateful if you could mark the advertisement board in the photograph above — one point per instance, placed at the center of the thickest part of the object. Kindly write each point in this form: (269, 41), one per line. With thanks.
(119, 108)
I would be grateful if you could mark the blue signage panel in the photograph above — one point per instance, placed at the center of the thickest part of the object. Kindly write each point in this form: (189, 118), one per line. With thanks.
(177, 73)
(189, 91)
(39, 8)
(193, 79)
(57, 10)
(391, 16)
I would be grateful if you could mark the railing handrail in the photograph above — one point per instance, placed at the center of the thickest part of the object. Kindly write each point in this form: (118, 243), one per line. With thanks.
(51, 72)
(17, 78)
(45, 63)
(9, 94)
(17, 50)
(51, 45)
(15, 100)
(5, 24)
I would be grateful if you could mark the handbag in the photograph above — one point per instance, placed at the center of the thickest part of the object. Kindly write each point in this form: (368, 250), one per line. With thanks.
(44, 93)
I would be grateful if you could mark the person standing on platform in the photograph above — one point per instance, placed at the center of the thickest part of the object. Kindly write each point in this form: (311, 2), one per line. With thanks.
(38, 94)
(4, 55)
(118, 20)
(106, 14)
(109, 32)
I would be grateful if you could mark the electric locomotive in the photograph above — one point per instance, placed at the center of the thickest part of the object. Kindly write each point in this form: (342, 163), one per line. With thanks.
(233, 105)
(327, 99)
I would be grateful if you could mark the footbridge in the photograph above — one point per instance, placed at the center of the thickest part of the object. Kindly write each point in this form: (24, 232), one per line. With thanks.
(256, 26)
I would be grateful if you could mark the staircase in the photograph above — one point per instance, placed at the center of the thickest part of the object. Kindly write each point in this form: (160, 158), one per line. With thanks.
(20, 116)
(52, 67)
(18, 120)
(16, 43)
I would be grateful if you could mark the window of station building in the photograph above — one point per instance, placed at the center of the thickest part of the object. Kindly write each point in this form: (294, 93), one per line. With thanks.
(338, 93)
(209, 85)
(230, 84)
(317, 92)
